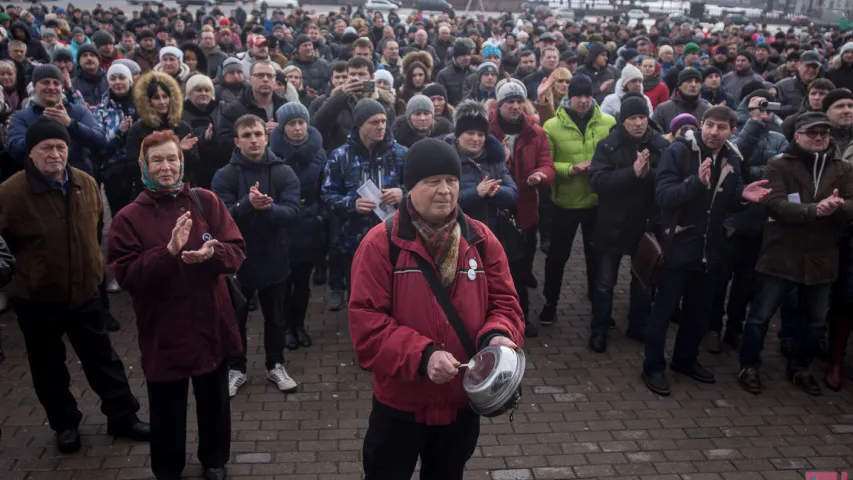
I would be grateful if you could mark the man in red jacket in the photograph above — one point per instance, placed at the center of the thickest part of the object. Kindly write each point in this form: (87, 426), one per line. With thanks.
(529, 160)
(401, 334)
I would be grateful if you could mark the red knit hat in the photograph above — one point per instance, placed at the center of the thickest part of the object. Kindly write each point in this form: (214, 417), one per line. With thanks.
(223, 22)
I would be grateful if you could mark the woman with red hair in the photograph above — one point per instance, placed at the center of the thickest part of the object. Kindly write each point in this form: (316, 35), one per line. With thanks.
(171, 249)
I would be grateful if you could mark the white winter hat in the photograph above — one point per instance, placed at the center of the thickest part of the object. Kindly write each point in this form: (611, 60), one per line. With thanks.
(173, 51)
(119, 69)
(629, 73)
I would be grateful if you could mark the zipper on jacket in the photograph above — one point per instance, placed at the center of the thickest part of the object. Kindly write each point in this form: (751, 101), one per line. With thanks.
(68, 239)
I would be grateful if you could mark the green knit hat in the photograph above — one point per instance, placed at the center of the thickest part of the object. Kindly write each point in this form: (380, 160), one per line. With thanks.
(691, 48)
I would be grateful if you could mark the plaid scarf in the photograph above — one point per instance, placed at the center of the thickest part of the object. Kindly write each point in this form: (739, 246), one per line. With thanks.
(442, 243)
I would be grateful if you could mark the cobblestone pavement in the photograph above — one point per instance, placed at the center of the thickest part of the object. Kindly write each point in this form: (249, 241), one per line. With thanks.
(584, 415)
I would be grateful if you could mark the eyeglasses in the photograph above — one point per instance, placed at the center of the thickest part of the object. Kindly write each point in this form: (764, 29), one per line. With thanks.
(816, 133)
(268, 76)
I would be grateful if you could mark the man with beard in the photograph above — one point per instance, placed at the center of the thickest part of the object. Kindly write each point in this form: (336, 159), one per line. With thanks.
(315, 71)
(526, 65)
(419, 122)
(145, 54)
(793, 89)
(230, 87)
(532, 168)
(842, 76)
(258, 50)
(595, 67)
(762, 65)
(453, 76)
(215, 56)
(698, 182)
(838, 105)
(91, 78)
(812, 103)
(105, 43)
(711, 91)
(622, 174)
(811, 201)
(550, 60)
(686, 99)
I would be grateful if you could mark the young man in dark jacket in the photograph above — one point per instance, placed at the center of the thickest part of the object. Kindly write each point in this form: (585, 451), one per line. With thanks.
(698, 182)
(262, 194)
(301, 147)
(257, 98)
(811, 200)
(91, 78)
(622, 174)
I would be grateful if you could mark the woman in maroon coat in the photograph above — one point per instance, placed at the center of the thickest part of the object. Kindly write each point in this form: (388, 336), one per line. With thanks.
(172, 257)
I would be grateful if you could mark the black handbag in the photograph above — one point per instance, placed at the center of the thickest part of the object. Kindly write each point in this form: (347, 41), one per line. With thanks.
(238, 301)
(510, 236)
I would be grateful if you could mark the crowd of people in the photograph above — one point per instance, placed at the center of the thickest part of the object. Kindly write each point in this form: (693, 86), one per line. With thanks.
(246, 157)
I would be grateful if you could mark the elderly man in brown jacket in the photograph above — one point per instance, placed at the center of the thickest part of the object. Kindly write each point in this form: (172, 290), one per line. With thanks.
(50, 214)
(810, 202)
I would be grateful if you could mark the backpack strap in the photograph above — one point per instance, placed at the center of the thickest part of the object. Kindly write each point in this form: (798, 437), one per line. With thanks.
(393, 249)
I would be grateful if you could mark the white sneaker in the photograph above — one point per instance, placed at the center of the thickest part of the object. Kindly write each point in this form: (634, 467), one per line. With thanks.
(113, 286)
(282, 380)
(236, 379)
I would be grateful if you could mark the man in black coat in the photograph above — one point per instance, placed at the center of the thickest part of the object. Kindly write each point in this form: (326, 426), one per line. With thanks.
(622, 174)
(698, 181)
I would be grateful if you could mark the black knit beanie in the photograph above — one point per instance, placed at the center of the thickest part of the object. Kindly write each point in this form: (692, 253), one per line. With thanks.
(635, 104)
(430, 157)
(87, 48)
(364, 109)
(836, 95)
(45, 129)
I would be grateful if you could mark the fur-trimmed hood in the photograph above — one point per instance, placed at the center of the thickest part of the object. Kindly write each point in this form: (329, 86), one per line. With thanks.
(417, 56)
(143, 104)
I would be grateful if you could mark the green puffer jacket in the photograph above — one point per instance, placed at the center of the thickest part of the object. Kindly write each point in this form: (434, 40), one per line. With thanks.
(568, 148)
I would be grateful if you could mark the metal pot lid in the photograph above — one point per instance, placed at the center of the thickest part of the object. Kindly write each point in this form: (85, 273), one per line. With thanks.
(495, 376)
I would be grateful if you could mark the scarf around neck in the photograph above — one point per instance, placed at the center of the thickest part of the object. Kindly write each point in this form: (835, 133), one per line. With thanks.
(442, 242)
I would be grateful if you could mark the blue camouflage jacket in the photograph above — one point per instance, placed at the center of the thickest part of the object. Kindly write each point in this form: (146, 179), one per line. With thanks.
(109, 114)
(349, 167)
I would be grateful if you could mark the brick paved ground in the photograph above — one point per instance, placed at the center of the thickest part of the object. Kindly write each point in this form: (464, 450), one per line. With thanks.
(584, 415)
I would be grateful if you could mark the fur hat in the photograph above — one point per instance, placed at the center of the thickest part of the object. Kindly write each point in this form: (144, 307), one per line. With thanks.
(471, 115)
(419, 56)
(199, 80)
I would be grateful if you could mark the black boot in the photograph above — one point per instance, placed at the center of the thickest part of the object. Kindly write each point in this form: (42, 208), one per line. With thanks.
(320, 273)
(302, 337)
(68, 441)
(290, 340)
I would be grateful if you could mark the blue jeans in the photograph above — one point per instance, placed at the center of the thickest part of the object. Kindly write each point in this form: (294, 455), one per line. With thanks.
(607, 269)
(790, 313)
(814, 303)
(694, 289)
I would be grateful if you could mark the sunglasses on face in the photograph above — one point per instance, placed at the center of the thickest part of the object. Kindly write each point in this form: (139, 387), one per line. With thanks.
(816, 133)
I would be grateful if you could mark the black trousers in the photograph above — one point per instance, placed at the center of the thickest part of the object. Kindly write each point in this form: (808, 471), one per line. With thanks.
(297, 294)
(272, 307)
(394, 443)
(564, 226)
(43, 327)
(522, 269)
(168, 404)
(119, 189)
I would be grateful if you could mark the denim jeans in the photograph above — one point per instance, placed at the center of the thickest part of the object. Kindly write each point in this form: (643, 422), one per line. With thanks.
(809, 330)
(694, 287)
(791, 316)
(602, 299)
(564, 226)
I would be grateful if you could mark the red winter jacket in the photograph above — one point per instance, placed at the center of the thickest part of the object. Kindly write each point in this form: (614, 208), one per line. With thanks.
(658, 94)
(394, 317)
(532, 154)
(186, 324)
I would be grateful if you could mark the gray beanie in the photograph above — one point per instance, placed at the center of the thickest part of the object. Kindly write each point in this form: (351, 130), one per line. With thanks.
(291, 111)
(364, 109)
(134, 67)
(847, 47)
(510, 91)
(419, 103)
(46, 70)
(231, 64)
